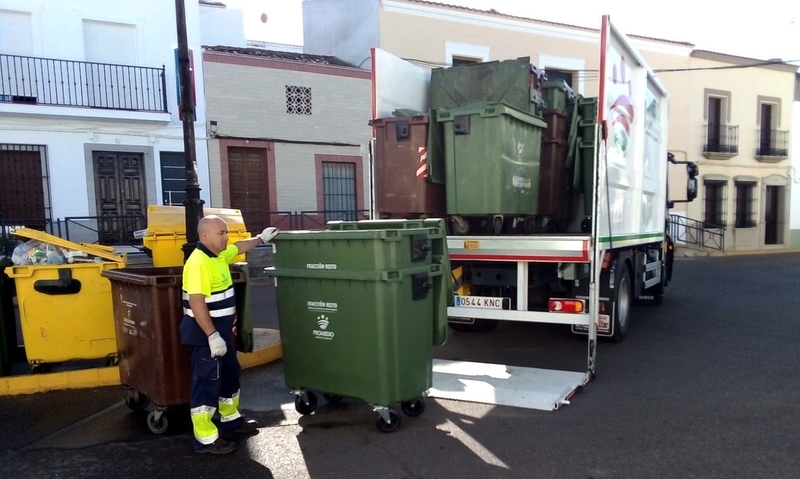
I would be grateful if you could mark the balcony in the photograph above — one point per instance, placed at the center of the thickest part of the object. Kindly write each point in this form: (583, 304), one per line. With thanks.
(773, 146)
(67, 83)
(722, 141)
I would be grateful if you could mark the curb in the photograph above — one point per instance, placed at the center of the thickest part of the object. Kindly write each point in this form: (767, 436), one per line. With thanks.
(109, 376)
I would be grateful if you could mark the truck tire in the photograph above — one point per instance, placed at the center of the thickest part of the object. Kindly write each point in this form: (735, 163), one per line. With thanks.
(622, 303)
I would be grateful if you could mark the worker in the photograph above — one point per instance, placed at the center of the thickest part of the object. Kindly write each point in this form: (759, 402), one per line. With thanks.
(208, 329)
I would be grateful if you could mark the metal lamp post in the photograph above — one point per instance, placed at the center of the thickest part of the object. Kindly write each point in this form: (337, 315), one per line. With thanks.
(193, 205)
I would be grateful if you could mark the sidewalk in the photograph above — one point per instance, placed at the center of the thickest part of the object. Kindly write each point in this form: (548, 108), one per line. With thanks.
(267, 349)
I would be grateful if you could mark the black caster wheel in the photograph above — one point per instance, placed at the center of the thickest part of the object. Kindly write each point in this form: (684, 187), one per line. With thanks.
(157, 427)
(332, 398)
(392, 425)
(137, 404)
(308, 406)
(110, 362)
(413, 408)
(41, 368)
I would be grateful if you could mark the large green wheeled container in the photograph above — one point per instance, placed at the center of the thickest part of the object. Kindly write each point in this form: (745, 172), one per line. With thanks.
(492, 157)
(358, 308)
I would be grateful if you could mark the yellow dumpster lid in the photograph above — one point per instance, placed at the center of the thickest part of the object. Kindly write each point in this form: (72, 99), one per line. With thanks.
(92, 249)
(171, 220)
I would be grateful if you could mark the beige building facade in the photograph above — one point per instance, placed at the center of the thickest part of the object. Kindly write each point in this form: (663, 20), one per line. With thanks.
(433, 35)
(288, 136)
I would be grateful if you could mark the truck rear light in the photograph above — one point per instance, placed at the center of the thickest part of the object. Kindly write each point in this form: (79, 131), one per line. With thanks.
(566, 306)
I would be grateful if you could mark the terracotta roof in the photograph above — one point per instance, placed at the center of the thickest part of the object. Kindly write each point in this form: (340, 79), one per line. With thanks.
(495, 13)
(279, 55)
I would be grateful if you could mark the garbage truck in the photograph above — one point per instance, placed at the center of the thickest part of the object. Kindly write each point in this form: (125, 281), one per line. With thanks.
(556, 204)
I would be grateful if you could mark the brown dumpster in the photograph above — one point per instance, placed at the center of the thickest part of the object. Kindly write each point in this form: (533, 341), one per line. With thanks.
(153, 363)
(552, 174)
(402, 186)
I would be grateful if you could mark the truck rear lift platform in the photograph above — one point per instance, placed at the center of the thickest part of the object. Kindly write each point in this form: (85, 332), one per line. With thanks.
(501, 385)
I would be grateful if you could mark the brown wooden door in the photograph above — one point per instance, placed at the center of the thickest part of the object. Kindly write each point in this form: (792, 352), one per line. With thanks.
(121, 195)
(249, 186)
(22, 197)
(771, 215)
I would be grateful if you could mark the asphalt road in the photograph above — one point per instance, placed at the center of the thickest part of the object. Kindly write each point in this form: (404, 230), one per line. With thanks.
(706, 385)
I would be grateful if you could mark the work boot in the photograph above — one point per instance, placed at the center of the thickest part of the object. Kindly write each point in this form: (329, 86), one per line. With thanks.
(220, 446)
(247, 427)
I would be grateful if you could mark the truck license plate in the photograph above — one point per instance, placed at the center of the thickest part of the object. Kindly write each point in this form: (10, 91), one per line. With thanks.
(482, 302)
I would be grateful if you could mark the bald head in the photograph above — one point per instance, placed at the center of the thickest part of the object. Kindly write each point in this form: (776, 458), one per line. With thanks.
(213, 233)
(210, 222)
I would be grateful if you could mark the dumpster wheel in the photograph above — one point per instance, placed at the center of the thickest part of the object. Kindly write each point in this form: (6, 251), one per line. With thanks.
(332, 398)
(413, 408)
(388, 419)
(157, 425)
(137, 401)
(305, 403)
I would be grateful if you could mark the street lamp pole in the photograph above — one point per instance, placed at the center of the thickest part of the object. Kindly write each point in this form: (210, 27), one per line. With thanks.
(192, 203)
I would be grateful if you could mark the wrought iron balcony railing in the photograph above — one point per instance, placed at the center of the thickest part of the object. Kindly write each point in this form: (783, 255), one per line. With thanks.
(773, 143)
(45, 81)
(721, 139)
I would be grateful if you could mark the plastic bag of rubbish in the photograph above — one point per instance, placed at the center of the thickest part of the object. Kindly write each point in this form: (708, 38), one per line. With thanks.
(30, 252)
(54, 255)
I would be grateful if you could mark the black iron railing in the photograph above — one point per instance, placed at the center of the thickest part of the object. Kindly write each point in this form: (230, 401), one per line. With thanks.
(694, 232)
(119, 230)
(46, 81)
(8, 241)
(110, 230)
(773, 143)
(721, 139)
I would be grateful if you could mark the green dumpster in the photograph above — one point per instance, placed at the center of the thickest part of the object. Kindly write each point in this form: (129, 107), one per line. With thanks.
(492, 156)
(557, 95)
(357, 313)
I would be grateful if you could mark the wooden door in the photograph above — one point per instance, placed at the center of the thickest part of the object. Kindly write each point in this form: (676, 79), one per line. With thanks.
(249, 185)
(121, 195)
(771, 215)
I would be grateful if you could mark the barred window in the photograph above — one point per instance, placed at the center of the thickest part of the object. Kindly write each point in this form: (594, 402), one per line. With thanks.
(298, 100)
(715, 200)
(745, 204)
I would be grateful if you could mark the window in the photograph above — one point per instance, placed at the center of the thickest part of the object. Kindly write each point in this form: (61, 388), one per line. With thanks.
(339, 190)
(298, 100)
(173, 178)
(457, 53)
(745, 205)
(106, 42)
(458, 61)
(16, 36)
(24, 186)
(714, 203)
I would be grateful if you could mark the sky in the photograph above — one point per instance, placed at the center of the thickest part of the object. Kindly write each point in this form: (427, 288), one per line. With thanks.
(772, 30)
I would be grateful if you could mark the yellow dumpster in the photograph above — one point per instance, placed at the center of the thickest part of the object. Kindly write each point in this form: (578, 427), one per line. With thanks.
(65, 309)
(166, 232)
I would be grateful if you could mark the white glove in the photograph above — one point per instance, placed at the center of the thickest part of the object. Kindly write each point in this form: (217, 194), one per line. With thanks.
(217, 345)
(268, 233)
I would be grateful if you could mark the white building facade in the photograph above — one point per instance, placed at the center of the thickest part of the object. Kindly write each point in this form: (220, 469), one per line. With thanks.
(90, 133)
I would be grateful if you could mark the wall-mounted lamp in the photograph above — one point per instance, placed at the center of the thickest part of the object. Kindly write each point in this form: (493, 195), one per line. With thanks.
(212, 127)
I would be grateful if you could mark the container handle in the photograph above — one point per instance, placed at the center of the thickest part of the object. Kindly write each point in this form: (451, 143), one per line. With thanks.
(65, 284)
